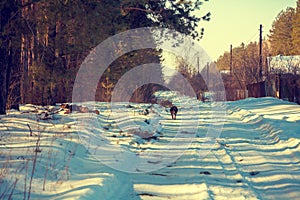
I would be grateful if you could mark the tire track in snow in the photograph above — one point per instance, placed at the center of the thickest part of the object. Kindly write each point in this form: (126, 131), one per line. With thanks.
(265, 143)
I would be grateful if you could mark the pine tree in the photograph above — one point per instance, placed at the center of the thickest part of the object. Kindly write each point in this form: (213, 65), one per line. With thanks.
(10, 43)
(53, 38)
(296, 31)
(281, 33)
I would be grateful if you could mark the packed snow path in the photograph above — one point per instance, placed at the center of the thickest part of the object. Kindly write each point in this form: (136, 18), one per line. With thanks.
(256, 156)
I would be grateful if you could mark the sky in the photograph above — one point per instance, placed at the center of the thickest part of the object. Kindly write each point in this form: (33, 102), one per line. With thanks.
(237, 21)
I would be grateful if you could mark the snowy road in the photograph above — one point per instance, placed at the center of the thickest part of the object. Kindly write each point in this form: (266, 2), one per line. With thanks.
(256, 156)
(249, 161)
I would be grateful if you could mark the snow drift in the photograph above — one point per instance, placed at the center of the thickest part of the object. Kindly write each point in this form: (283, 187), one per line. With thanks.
(247, 149)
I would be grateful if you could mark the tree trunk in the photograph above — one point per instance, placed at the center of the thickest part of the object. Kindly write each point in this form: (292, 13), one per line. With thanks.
(5, 14)
(4, 76)
(10, 49)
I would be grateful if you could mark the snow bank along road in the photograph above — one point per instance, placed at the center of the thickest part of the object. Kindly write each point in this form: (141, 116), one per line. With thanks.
(256, 156)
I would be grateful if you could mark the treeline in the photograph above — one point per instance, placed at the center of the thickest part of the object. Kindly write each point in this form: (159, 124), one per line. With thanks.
(203, 79)
(44, 42)
(283, 39)
(244, 62)
(187, 72)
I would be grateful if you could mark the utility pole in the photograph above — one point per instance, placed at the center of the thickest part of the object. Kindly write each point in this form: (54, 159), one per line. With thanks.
(198, 65)
(260, 52)
(207, 74)
(230, 59)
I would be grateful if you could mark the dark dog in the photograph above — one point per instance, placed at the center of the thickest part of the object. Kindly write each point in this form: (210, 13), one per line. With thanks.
(173, 111)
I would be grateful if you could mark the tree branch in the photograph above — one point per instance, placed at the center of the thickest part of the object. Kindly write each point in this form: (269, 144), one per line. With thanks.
(139, 9)
(29, 3)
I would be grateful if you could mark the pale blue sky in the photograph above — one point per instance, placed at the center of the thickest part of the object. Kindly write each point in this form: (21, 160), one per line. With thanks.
(237, 21)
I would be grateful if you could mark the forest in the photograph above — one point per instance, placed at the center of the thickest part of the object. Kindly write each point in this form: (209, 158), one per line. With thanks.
(43, 43)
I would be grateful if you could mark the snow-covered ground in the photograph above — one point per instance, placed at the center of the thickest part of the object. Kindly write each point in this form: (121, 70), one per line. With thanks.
(247, 149)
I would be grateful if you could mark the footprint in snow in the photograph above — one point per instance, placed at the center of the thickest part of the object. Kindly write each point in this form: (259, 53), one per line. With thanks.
(253, 173)
(205, 173)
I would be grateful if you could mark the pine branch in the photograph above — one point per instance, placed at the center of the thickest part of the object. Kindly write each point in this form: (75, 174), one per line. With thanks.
(124, 9)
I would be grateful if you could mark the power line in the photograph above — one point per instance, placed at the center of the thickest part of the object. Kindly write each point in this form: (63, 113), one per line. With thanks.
(253, 36)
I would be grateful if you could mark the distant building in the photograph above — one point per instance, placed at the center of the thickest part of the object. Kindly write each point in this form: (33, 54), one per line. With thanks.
(283, 80)
(284, 64)
(225, 71)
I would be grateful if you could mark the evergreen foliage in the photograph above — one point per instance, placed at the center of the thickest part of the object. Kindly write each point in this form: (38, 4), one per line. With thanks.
(46, 41)
(296, 31)
(281, 33)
